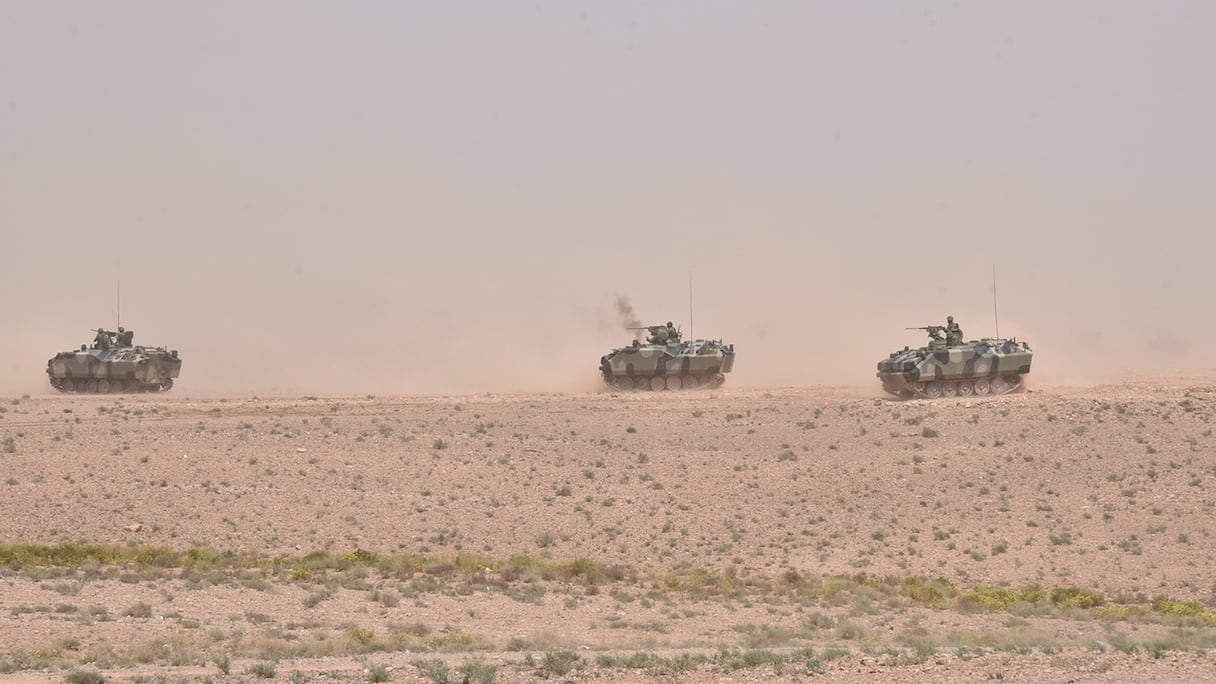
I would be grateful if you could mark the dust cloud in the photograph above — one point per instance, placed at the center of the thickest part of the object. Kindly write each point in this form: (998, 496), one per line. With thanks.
(397, 199)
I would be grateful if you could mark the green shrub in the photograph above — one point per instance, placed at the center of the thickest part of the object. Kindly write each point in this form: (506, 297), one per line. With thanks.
(435, 670)
(1075, 597)
(560, 662)
(1194, 609)
(84, 677)
(479, 673)
(265, 670)
(377, 673)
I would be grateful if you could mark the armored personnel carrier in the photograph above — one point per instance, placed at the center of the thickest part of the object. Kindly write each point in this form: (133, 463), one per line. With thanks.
(113, 363)
(667, 362)
(951, 367)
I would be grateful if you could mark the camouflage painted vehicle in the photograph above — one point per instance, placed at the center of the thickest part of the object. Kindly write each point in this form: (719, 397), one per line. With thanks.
(956, 368)
(114, 364)
(667, 362)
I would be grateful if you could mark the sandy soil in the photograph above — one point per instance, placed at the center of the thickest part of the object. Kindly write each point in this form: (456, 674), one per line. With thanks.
(1105, 488)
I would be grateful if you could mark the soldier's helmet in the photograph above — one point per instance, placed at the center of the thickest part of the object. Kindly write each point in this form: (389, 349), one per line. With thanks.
(668, 324)
(949, 319)
(121, 329)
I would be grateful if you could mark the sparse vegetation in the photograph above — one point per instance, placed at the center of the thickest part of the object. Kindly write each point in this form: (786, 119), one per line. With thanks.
(265, 670)
(728, 509)
(85, 677)
(377, 673)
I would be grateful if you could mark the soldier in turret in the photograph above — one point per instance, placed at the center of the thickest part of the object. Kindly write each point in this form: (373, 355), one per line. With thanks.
(673, 335)
(103, 341)
(954, 334)
(125, 337)
(658, 334)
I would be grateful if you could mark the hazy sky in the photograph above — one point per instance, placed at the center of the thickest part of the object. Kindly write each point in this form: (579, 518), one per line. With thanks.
(404, 196)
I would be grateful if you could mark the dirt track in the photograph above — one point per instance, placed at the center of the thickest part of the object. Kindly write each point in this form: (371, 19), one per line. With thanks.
(1108, 489)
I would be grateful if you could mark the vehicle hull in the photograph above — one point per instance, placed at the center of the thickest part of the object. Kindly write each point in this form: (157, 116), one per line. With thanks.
(125, 369)
(980, 367)
(679, 365)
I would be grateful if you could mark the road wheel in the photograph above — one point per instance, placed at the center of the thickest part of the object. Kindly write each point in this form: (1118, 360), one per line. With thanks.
(674, 384)
(949, 389)
(998, 385)
(103, 386)
(981, 387)
(965, 388)
(624, 383)
(933, 390)
(658, 383)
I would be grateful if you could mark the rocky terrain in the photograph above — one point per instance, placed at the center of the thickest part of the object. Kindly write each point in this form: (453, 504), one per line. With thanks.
(1061, 534)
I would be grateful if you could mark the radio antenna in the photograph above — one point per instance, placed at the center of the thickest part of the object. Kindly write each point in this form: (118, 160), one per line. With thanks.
(118, 307)
(690, 306)
(995, 318)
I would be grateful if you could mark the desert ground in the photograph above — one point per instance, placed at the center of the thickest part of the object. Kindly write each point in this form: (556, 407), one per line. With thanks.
(739, 534)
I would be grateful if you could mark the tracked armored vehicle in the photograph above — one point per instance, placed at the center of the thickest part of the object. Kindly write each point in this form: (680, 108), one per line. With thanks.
(665, 362)
(950, 367)
(113, 363)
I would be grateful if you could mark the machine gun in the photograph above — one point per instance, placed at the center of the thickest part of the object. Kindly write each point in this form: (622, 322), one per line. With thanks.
(104, 338)
(659, 333)
(935, 331)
